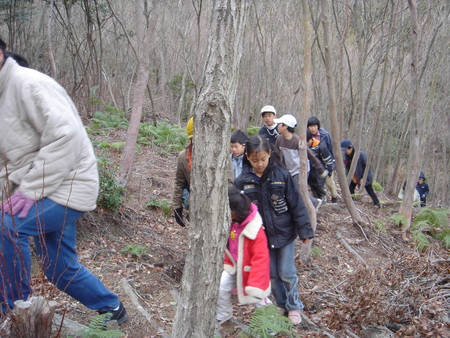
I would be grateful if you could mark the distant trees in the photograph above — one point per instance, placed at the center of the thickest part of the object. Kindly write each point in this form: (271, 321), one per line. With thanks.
(94, 46)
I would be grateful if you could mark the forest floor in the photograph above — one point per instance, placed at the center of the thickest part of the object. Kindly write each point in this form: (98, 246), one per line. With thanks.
(391, 284)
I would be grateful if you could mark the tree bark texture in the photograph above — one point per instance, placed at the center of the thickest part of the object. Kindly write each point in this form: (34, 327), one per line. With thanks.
(407, 205)
(208, 204)
(335, 132)
(33, 318)
(143, 32)
(305, 250)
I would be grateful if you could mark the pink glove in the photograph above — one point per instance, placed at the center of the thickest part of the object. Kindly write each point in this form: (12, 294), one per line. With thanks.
(18, 202)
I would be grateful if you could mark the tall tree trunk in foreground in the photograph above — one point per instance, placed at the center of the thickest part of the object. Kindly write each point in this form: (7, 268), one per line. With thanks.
(143, 33)
(49, 42)
(209, 210)
(305, 113)
(359, 121)
(407, 205)
(335, 132)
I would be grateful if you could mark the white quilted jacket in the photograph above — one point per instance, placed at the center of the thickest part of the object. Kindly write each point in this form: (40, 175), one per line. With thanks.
(44, 148)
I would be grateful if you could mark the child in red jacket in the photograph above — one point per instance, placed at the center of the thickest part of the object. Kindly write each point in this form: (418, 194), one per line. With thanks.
(247, 262)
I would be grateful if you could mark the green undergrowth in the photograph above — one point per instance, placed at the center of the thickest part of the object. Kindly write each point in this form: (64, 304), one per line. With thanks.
(164, 205)
(97, 329)
(266, 322)
(428, 222)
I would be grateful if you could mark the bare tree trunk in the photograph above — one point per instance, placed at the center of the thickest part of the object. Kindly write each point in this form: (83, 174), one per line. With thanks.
(406, 207)
(143, 32)
(393, 186)
(379, 110)
(335, 132)
(358, 123)
(305, 113)
(196, 309)
(49, 37)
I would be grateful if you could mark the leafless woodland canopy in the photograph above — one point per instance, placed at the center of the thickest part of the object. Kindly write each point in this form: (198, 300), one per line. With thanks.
(90, 47)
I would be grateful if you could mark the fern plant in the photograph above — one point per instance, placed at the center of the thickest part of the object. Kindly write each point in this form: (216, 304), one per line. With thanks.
(399, 219)
(97, 329)
(163, 135)
(267, 320)
(113, 118)
(435, 222)
(163, 204)
(421, 241)
(380, 225)
(135, 250)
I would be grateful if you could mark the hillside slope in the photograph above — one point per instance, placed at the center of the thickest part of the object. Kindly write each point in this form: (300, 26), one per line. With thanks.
(358, 276)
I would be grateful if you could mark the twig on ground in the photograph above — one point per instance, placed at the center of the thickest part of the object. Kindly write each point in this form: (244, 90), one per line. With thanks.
(365, 236)
(138, 306)
(349, 248)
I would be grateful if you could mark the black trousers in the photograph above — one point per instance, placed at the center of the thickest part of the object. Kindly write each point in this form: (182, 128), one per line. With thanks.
(369, 190)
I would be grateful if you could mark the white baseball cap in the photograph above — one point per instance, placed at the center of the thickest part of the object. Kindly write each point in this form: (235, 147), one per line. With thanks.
(268, 109)
(288, 120)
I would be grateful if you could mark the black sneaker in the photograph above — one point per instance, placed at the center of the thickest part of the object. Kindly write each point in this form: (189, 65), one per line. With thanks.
(120, 315)
(333, 199)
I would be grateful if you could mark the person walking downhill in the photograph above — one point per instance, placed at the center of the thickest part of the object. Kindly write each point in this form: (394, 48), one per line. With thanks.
(272, 189)
(48, 179)
(269, 129)
(287, 144)
(423, 189)
(324, 137)
(180, 199)
(247, 264)
(349, 151)
(319, 151)
(237, 145)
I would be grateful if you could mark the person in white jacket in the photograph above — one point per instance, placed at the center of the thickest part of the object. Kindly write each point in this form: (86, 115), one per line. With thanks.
(48, 179)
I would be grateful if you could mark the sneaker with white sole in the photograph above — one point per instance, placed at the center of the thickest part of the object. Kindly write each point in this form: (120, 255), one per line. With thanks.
(120, 315)
(319, 204)
(295, 317)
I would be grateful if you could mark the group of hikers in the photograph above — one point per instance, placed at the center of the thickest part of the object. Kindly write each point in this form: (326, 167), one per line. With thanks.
(49, 179)
(267, 211)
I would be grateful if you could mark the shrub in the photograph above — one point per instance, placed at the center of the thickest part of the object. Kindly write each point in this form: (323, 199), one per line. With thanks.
(252, 130)
(163, 135)
(111, 193)
(377, 187)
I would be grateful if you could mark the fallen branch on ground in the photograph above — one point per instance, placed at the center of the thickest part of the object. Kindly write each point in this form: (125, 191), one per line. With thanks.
(130, 292)
(349, 248)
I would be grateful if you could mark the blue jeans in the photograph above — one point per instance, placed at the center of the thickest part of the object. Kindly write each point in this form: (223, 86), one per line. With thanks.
(53, 228)
(283, 277)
